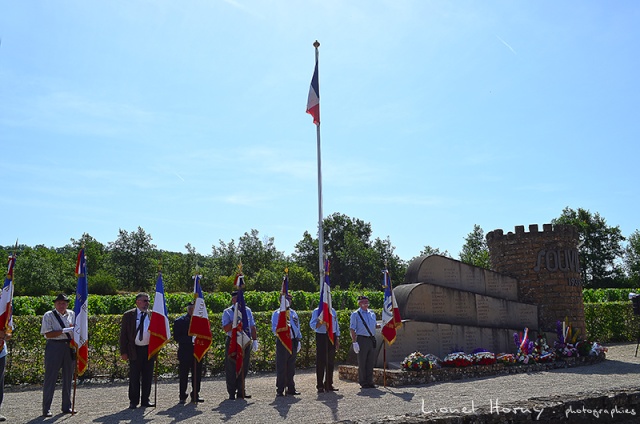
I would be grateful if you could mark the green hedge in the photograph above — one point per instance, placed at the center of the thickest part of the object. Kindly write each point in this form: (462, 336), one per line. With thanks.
(605, 322)
(216, 302)
(607, 295)
(611, 322)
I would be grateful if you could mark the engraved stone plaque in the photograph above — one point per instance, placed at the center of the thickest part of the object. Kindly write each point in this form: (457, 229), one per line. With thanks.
(501, 286)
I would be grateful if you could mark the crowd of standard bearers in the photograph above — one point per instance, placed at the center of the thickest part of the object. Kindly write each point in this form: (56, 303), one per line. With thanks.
(57, 326)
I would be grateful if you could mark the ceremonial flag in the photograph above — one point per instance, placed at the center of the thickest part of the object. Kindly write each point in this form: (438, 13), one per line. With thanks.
(324, 314)
(391, 320)
(159, 333)
(239, 338)
(199, 325)
(6, 298)
(313, 102)
(81, 310)
(283, 328)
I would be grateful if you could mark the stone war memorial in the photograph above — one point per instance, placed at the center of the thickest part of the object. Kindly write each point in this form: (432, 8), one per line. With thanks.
(449, 306)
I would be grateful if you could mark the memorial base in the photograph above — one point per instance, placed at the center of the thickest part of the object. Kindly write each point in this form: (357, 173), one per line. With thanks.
(397, 378)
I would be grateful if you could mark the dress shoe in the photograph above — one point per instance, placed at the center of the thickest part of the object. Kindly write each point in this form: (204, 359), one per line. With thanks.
(132, 406)
(69, 411)
(3, 418)
(47, 414)
(331, 389)
(197, 400)
(295, 392)
(148, 405)
(245, 396)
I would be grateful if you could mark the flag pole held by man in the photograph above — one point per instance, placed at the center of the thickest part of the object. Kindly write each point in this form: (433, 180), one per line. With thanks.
(159, 333)
(80, 341)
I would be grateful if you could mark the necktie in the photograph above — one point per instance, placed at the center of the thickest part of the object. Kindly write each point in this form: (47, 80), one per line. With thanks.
(141, 326)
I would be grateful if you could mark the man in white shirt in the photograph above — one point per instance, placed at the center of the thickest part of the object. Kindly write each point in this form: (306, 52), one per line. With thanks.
(57, 327)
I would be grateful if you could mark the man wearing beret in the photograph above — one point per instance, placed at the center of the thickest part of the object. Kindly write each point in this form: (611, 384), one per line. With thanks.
(57, 326)
(186, 361)
(362, 327)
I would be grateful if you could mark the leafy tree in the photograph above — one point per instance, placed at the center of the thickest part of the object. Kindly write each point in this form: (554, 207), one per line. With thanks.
(428, 251)
(600, 247)
(632, 259)
(257, 253)
(475, 250)
(39, 271)
(355, 259)
(132, 257)
(179, 268)
(96, 253)
(224, 259)
(306, 255)
(396, 266)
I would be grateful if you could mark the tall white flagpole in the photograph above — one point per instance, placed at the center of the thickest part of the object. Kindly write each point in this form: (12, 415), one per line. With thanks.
(320, 217)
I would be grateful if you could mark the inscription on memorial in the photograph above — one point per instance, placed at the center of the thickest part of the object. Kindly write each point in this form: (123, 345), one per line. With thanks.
(500, 286)
(472, 339)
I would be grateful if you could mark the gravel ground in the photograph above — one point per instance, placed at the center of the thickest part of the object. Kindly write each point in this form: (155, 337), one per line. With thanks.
(107, 403)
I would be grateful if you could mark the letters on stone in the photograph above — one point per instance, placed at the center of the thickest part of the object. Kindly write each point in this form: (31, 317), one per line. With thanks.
(564, 260)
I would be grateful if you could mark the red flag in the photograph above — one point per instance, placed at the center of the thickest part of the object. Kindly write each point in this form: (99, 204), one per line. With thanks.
(239, 338)
(159, 332)
(6, 299)
(199, 325)
(324, 315)
(283, 328)
(81, 310)
(391, 320)
(313, 102)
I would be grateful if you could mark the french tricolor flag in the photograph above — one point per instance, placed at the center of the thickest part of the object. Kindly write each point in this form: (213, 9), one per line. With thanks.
(313, 102)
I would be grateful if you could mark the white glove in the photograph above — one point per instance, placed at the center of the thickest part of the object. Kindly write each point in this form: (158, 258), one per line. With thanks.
(255, 345)
(67, 330)
(299, 346)
(356, 347)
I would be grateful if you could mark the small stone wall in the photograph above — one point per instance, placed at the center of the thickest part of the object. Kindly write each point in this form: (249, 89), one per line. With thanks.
(397, 378)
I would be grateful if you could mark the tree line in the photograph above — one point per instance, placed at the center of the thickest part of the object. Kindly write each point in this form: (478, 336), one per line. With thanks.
(131, 262)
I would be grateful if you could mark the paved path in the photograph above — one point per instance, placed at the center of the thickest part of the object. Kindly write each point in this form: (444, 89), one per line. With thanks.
(107, 403)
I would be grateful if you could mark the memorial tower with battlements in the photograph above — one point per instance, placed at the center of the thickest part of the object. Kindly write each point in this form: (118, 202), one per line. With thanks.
(547, 267)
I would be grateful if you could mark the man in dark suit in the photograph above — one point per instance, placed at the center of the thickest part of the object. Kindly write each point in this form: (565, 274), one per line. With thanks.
(134, 347)
(187, 362)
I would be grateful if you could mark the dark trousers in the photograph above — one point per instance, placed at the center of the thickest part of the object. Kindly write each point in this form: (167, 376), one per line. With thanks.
(3, 362)
(184, 367)
(57, 357)
(286, 366)
(236, 383)
(366, 360)
(140, 376)
(325, 360)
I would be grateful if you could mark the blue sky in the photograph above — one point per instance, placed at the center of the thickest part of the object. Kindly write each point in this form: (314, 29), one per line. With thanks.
(188, 118)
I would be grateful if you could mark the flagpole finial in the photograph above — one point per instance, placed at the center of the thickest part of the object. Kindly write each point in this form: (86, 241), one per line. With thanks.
(316, 44)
